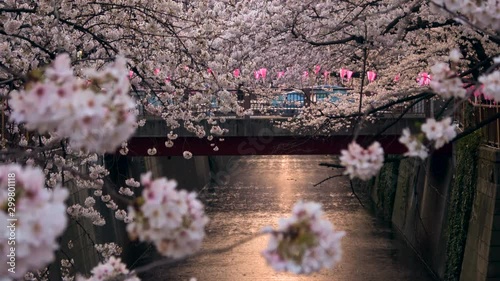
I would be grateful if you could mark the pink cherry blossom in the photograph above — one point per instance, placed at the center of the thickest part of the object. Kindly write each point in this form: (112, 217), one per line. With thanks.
(172, 220)
(39, 218)
(95, 120)
(109, 270)
(362, 163)
(305, 242)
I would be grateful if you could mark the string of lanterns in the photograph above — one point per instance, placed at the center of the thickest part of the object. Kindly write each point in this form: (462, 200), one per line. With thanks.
(346, 75)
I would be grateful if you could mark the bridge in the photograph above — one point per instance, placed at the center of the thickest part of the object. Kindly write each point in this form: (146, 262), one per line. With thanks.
(259, 135)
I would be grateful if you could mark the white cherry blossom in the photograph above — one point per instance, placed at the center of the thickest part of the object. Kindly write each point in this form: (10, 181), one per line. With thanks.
(187, 154)
(109, 270)
(415, 147)
(491, 84)
(441, 132)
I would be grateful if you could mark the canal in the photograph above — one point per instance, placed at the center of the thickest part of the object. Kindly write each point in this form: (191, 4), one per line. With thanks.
(252, 192)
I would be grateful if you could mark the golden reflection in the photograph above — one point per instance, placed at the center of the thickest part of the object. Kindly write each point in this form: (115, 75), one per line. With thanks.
(286, 182)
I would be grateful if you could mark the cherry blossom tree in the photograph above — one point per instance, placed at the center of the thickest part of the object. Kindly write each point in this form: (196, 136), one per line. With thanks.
(77, 76)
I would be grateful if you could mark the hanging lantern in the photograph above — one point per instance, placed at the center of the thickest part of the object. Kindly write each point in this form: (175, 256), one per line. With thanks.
(371, 76)
(343, 73)
(349, 75)
(257, 75)
(326, 74)
(317, 68)
(263, 73)
(396, 78)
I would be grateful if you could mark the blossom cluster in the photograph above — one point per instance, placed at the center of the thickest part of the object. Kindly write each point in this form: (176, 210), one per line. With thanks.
(491, 83)
(415, 147)
(441, 132)
(40, 218)
(484, 14)
(95, 114)
(108, 250)
(174, 220)
(305, 242)
(445, 82)
(360, 162)
(112, 269)
(77, 211)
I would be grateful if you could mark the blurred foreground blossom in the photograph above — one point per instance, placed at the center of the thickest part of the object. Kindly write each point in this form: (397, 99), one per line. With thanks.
(173, 220)
(491, 84)
(95, 114)
(362, 163)
(112, 269)
(35, 217)
(441, 132)
(415, 147)
(304, 243)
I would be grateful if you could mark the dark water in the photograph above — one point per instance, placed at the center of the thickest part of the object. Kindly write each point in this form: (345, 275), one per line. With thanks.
(260, 190)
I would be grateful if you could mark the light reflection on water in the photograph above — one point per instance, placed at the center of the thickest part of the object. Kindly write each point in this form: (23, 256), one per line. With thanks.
(262, 189)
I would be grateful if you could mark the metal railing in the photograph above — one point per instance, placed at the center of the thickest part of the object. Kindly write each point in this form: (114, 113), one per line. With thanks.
(293, 102)
(476, 111)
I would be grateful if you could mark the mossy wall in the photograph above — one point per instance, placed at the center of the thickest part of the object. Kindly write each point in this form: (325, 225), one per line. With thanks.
(430, 203)
(384, 189)
(460, 206)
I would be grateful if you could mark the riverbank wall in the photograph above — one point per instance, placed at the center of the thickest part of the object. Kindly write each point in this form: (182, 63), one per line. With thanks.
(447, 208)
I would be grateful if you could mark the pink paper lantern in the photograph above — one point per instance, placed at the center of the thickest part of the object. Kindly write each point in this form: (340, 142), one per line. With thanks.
(263, 73)
(371, 76)
(349, 75)
(236, 72)
(256, 75)
(326, 74)
(343, 73)
(317, 68)
(397, 77)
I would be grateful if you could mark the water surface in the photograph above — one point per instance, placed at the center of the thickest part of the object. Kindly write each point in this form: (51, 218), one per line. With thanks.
(256, 191)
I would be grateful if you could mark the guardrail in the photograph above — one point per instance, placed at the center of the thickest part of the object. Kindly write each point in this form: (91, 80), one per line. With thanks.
(293, 102)
(481, 110)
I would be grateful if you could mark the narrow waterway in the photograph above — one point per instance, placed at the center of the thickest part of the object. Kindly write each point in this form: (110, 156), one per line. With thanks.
(256, 191)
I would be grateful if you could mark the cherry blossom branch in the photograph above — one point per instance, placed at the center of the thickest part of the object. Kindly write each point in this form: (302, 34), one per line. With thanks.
(360, 120)
(478, 126)
(397, 119)
(466, 21)
(383, 107)
(170, 262)
(328, 178)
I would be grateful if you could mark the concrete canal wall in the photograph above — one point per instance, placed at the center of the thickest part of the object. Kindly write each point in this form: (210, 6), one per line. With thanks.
(482, 251)
(446, 208)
